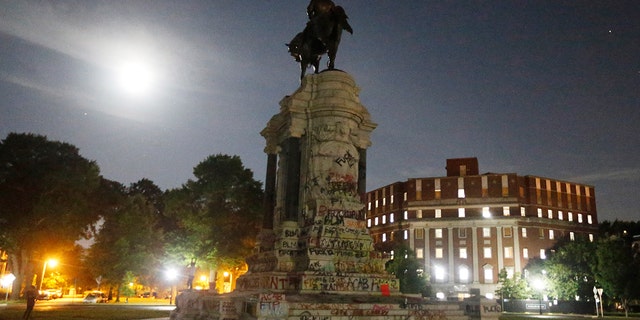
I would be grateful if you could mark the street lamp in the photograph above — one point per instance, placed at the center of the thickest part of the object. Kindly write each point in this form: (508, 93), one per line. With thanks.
(171, 275)
(7, 282)
(52, 263)
(539, 285)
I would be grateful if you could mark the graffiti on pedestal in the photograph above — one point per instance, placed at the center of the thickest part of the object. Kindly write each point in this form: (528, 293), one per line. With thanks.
(273, 305)
(346, 283)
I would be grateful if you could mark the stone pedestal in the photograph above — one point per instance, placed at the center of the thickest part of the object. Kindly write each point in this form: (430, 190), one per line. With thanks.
(314, 250)
(316, 240)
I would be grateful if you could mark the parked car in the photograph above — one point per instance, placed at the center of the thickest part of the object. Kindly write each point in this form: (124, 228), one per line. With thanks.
(54, 293)
(95, 297)
(44, 295)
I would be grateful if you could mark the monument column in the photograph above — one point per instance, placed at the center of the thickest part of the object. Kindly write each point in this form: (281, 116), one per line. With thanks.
(318, 240)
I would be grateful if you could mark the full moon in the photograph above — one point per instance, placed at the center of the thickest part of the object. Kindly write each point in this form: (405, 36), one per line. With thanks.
(135, 77)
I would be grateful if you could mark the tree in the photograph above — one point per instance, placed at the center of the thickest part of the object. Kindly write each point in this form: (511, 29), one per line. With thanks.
(569, 269)
(406, 267)
(125, 243)
(618, 270)
(514, 287)
(218, 215)
(47, 201)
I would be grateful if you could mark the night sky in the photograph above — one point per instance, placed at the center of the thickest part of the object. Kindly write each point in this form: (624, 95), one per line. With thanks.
(545, 88)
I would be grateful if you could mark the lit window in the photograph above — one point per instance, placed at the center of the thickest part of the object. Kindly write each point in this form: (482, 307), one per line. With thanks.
(384, 219)
(461, 193)
(375, 221)
(486, 232)
(438, 213)
(376, 203)
(404, 196)
(524, 232)
(590, 237)
(510, 272)
(369, 206)
(391, 218)
(523, 211)
(525, 253)
(570, 216)
(505, 186)
(485, 212)
(461, 188)
(419, 214)
(486, 252)
(392, 199)
(406, 234)
(461, 213)
(589, 219)
(463, 253)
(560, 215)
(579, 217)
(508, 252)
(488, 275)
(439, 273)
(550, 214)
(551, 235)
(384, 201)
(439, 253)
(506, 211)
(368, 223)
(406, 215)
(438, 233)
(419, 253)
(539, 213)
(572, 236)
(384, 237)
(543, 254)
(463, 271)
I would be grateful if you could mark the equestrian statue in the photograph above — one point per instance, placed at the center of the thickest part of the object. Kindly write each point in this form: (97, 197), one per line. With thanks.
(321, 35)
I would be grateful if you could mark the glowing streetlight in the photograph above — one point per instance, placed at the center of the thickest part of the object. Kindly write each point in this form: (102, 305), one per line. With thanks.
(171, 274)
(50, 262)
(7, 282)
(538, 284)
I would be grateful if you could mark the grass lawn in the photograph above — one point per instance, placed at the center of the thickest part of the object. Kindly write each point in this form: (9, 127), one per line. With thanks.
(114, 311)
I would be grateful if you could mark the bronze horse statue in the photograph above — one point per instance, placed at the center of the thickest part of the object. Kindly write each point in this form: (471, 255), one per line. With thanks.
(306, 49)
(321, 35)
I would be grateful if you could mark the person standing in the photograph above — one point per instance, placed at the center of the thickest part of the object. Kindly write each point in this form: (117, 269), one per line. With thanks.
(31, 294)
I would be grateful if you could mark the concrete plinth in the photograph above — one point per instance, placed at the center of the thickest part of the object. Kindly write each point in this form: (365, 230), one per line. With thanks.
(314, 258)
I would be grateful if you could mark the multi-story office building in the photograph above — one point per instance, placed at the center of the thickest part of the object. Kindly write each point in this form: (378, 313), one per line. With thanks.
(466, 227)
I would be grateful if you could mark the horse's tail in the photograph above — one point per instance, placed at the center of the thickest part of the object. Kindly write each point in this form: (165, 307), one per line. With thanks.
(341, 17)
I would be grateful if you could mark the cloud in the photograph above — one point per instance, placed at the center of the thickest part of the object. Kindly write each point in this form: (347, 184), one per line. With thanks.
(625, 174)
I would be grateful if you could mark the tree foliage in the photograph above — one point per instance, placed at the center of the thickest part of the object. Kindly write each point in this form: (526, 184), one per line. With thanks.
(126, 241)
(405, 266)
(570, 270)
(618, 269)
(514, 287)
(218, 214)
(47, 200)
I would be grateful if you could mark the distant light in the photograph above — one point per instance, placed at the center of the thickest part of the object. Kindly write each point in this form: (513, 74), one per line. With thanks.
(52, 263)
(440, 295)
(7, 280)
(489, 295)
(171, 274)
